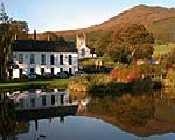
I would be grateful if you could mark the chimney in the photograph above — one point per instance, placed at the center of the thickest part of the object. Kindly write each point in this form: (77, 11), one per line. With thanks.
(48, 37)
(15, 37)
(34, 35)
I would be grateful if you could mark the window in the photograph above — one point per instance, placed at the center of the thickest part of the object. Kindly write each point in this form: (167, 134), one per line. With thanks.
(70, 59)
(14, 55)
(42, 71)
(32, 70)
(70, 71)
(43, 59)
(61, 59)
(83, 52)
(52, 99)
(20, 72)
(32, 102)
(52, 60)
(32, 59)
(62, 99)
(44, 100)
(21, 103)
(61, 69)
(52, 71)
(26, 56)
(20, 58)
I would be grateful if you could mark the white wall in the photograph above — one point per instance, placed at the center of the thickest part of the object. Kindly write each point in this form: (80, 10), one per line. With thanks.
(26, 62)
(16, 74)
(87, 52)
(81, 44)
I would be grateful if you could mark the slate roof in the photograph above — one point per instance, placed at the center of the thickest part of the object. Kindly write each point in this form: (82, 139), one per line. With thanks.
(44, 46)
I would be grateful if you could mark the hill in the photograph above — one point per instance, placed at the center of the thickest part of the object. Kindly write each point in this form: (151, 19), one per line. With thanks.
(157, 19)
(140, 14)
(164, 30)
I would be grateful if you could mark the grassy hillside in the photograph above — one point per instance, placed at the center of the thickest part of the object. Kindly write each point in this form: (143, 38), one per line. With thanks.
(164, 30)
(141, 14)
(163, 49)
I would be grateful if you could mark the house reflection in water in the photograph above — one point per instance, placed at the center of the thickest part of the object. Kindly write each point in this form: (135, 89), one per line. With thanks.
(38, 99)
(18, 109)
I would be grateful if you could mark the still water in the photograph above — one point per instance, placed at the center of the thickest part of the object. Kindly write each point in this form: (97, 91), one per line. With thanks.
(54, 115)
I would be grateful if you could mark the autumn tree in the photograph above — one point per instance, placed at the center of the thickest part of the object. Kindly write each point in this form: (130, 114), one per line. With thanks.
(131, 43)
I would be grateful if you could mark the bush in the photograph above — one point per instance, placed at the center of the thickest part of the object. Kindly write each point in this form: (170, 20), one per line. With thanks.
(135, 73)
(103, 84)
(126, 74)
(86, 83)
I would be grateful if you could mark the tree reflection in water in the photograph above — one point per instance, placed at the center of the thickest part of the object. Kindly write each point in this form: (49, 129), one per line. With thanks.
(142, 115)
(7, 118)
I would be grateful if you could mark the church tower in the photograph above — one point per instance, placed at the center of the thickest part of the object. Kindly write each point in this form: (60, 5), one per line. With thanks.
(81, 40)
(83, 50)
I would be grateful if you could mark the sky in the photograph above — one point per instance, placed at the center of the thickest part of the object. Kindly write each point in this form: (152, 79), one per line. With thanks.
(55, 15)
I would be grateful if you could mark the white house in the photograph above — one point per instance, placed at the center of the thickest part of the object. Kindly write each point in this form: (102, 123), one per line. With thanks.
(83, 50)
(39, 57)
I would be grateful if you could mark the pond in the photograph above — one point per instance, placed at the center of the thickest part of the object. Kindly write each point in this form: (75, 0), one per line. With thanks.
(51, 115)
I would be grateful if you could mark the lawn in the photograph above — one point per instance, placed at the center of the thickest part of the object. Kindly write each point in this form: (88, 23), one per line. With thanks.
(53, 83)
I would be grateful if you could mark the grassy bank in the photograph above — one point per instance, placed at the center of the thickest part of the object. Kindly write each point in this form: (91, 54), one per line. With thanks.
(103, 84)
(54, 83)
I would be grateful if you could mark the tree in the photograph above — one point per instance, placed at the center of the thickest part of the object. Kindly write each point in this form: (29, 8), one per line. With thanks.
(8, 30)
(3, 14)
(132, 42)
(20, 28)
(50, 36)
(100, 40)
(5, 42)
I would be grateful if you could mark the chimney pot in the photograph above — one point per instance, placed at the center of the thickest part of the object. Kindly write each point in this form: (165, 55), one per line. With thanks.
(34, 35)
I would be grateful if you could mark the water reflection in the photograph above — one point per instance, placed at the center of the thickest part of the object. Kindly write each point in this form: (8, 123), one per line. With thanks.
(18, 108)
(38, 114)
(7, 118)
(142, 115)
(38, 99)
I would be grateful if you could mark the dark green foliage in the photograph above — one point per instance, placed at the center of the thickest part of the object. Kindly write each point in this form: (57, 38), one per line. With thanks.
(100, 40)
